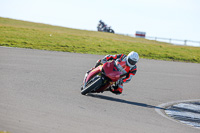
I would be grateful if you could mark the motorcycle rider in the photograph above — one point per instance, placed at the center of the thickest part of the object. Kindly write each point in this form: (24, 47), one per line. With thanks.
(103, 26)
(102, 23)
(129, 69)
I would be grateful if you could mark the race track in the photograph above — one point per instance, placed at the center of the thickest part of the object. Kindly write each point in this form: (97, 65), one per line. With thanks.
(40, 93)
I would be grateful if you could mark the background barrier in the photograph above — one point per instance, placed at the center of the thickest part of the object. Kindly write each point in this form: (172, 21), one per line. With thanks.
(169, 40)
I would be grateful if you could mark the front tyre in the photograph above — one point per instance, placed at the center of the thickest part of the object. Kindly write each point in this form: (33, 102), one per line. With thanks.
(92, 86)
(112, 31)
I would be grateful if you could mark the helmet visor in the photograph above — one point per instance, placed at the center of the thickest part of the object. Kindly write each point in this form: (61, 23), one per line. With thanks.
(131, 61)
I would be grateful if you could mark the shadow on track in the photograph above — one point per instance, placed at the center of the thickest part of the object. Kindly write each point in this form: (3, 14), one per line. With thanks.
(124, 101)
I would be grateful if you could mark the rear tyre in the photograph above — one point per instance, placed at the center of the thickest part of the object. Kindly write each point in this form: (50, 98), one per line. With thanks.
(92, 86)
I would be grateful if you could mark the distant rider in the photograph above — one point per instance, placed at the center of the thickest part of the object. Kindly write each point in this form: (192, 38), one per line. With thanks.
(102, 23)
(129, 69)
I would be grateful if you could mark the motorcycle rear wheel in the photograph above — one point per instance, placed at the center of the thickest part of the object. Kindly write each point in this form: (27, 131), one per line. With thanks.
(92, 86)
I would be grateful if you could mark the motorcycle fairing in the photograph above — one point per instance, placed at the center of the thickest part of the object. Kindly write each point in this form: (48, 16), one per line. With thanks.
(110, 73)
(109, 70)
(93, 72)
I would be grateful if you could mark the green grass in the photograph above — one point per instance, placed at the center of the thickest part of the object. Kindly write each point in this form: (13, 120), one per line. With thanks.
(4, 132)
(15, 33)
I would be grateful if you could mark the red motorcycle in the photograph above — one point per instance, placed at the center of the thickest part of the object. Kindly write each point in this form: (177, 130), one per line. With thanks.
(101, 78)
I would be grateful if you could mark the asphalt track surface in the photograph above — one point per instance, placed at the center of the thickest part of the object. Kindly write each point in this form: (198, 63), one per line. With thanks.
(40, 93)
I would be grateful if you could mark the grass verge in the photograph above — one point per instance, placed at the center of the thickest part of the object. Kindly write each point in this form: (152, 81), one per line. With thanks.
(16, 33)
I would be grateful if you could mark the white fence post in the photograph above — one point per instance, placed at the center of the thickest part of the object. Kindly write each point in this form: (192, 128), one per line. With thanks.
(185, 42)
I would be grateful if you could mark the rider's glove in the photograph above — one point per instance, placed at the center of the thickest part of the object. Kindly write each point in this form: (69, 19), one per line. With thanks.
(98, 63)
(104, 60)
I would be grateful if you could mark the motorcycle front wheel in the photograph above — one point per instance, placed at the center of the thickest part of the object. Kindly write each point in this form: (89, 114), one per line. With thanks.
(112, 31)
(96, 84)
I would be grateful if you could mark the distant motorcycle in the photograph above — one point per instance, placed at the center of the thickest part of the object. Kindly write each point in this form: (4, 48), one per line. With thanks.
(101, 78)
(104, 28)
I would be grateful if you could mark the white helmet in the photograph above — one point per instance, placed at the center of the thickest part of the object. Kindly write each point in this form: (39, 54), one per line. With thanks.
(132, 59)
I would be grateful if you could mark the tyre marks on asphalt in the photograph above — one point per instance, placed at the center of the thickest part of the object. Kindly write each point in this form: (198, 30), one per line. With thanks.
(187, 113)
